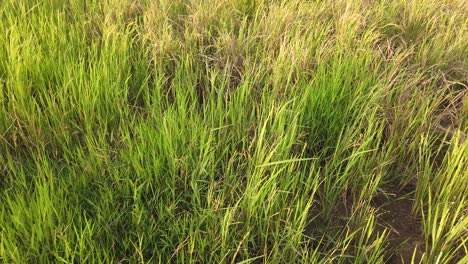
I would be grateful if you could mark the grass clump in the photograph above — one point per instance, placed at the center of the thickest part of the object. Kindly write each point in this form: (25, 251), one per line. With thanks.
(233, 131)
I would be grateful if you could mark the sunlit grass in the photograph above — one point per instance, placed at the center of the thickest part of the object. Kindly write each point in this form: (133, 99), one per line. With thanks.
(233, 131)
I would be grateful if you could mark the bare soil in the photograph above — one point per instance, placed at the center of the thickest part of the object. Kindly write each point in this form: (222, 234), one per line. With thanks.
(406, 234)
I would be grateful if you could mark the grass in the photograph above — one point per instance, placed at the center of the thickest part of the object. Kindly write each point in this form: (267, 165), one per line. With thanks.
(233, 131)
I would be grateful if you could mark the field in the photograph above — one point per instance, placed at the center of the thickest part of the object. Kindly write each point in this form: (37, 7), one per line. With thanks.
(233, 131)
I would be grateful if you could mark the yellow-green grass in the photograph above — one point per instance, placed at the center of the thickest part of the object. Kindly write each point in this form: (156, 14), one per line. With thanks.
(233, 131)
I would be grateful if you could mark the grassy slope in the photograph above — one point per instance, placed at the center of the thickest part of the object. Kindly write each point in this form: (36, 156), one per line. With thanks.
(233, 130)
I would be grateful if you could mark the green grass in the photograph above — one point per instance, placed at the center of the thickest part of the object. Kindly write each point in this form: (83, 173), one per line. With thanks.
(233, 131)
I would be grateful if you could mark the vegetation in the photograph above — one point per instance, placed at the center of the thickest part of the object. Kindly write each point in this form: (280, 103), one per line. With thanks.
(233, 131)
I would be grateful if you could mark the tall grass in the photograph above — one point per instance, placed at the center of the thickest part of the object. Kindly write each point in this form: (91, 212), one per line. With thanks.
(233, 131)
